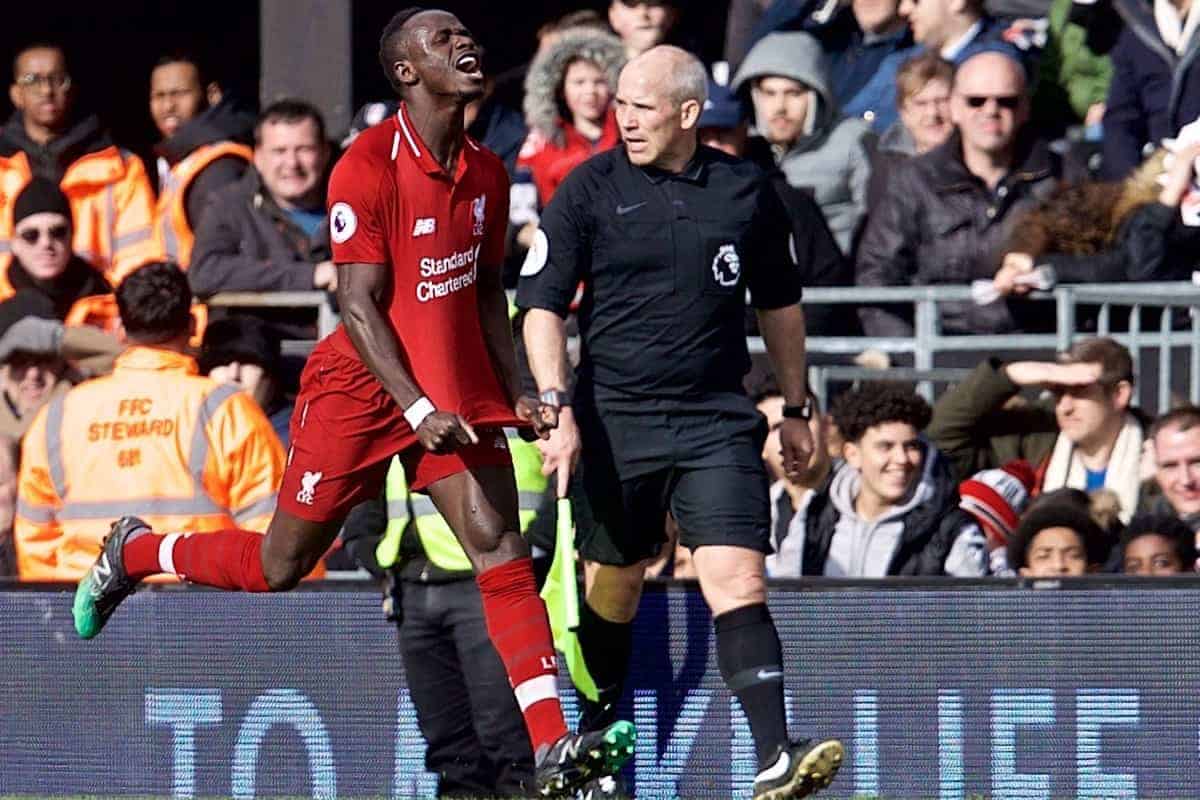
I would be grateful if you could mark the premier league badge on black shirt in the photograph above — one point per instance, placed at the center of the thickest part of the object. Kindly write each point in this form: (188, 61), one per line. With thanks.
(726, 266)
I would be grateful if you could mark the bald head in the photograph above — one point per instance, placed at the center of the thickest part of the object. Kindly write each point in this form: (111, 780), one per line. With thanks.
(989, 104)
(992, 70)
(660, 95)
(673, 71)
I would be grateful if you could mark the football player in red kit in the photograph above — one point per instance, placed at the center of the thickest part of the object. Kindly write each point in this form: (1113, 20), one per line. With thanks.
(423, 366)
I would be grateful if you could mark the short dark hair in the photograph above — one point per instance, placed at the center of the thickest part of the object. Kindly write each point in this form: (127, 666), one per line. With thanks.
(1061, 508)
(40, 44)
(391, 39)
(291, 110)
(765, 387)
(186, 57)
(876, 403)
(1168, 526)
(155, 303)
(1116, 364)
(1184, 418)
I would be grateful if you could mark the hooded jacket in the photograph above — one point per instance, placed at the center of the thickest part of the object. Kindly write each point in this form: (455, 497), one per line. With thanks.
(913, 538)
(112, 204)
(1154, 91)
(832, 156)
(554, 147)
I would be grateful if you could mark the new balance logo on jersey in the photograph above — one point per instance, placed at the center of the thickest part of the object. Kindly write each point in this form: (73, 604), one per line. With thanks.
(424, 226)
(308, 487)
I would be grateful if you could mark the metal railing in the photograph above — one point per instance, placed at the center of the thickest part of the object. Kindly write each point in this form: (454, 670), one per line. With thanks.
(327, 317)
(927, 341)
(1099, 300)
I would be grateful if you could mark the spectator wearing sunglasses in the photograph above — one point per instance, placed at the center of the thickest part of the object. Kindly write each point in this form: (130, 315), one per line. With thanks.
(945, 215)
(42, 259)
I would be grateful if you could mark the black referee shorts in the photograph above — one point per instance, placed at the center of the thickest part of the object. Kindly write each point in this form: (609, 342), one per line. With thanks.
(704, 465)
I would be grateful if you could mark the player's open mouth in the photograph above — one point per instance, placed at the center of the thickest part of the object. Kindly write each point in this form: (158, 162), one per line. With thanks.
(468, 63)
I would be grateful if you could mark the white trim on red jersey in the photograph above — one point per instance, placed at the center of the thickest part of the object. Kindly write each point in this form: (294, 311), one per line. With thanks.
(404, 127)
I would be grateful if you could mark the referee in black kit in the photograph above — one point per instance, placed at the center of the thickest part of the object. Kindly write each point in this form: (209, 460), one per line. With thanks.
(666, 236)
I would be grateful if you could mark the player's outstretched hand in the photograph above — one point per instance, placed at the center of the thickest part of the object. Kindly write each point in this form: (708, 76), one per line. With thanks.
(543, 417)
(443, 431)
(797, 443)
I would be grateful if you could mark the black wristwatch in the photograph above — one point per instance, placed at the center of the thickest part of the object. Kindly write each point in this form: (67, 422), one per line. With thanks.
(554, 397)
(799, 412)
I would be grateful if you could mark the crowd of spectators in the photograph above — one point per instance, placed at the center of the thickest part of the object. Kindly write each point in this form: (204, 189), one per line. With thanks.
(1010, 143)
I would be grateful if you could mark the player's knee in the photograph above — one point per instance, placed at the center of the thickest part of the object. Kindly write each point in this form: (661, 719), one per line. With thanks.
(735, 589)
(283, 575)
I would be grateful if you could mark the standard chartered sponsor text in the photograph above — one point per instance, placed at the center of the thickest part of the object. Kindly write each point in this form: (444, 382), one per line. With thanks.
(432, 289)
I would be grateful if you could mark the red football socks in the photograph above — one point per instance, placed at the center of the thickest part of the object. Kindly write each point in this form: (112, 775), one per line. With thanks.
(520, 631)
(229, 559)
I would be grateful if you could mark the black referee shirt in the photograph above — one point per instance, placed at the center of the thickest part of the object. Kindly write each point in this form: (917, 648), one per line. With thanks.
(665, 260)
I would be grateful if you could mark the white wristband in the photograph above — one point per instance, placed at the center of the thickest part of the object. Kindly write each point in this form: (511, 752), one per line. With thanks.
(418, 411)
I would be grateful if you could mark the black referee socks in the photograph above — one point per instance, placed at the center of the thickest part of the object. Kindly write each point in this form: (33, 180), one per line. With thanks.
(751, 662)
(606, 648)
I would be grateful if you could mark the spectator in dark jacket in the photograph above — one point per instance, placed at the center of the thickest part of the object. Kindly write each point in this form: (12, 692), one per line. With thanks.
(954, 29)
(1155, 87)
(946, 216)
(891, 508)
(866, 42)
(923, 103)
(267, 232)
(1093, 232)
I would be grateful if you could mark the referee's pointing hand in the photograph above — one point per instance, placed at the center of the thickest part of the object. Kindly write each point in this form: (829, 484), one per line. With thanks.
(443, 431)
(797, 443)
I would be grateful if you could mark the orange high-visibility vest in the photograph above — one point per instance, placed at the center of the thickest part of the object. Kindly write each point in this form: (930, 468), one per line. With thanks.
(112, 206)
(171, 221)
(155, 440)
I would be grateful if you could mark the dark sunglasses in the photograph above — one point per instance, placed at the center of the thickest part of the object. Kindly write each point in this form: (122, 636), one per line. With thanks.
(1005, 101)
(56, 233)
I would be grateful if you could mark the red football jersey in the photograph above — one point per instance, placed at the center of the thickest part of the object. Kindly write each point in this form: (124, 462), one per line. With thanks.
(390, 202)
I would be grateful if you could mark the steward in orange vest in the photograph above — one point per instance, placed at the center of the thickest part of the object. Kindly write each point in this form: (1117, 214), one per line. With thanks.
(110, 195)
(201, 151)
(154, 439)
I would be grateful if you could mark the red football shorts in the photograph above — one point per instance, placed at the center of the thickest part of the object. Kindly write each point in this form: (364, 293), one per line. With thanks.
(344, 431)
